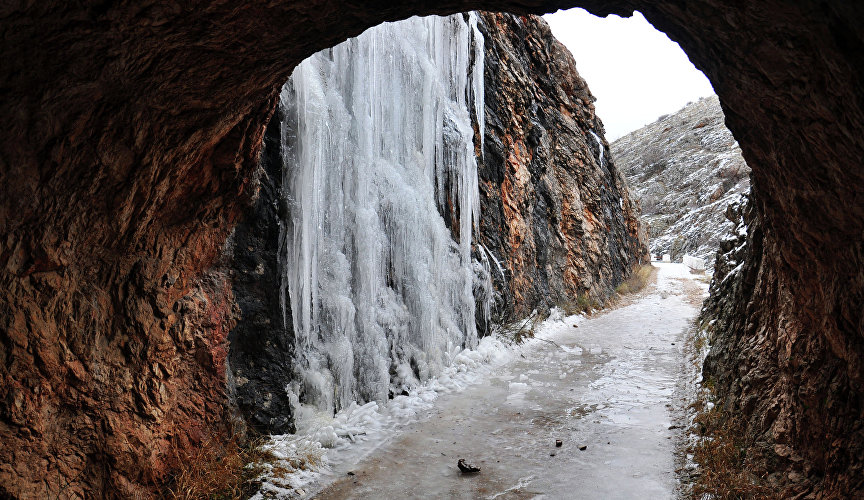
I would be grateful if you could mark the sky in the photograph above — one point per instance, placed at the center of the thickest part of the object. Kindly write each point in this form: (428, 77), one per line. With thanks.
(636, 73)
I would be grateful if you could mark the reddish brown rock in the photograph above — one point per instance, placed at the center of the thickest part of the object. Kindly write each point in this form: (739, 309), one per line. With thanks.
(127, 146)
(555, 210)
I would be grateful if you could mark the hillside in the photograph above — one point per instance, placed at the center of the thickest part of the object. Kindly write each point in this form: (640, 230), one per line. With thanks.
(684, 168)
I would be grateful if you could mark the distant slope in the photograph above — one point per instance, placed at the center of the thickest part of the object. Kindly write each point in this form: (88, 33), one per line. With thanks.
(684, 169)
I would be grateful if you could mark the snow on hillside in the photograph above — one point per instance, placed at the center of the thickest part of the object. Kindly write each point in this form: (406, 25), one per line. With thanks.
(684, 168)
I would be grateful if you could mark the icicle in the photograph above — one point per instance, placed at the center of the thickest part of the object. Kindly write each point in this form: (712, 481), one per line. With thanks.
(496, 261)
(380, 294)
(599, 145)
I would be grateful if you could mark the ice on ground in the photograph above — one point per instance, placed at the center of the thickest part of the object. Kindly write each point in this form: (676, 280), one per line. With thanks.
(575, 350)
(616, 404)
(358, 430)
(504, 398)
(517, 387)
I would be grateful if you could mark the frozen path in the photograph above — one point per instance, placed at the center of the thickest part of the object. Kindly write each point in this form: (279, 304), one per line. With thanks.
(607, 384)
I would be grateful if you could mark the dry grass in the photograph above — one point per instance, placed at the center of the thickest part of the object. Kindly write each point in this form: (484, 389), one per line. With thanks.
(219, 470)
(720, 452)
(642, 276)
(518, 331)
(582, 305)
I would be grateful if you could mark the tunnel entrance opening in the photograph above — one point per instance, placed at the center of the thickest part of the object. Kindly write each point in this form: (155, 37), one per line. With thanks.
(323, 96)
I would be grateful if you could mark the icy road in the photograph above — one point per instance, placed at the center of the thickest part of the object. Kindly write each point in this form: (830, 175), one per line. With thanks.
(609, 389)
(604, 388)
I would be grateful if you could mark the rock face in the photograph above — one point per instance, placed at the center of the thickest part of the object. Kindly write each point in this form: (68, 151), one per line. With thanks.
(262, 343)
(556, 211)
(684, 169)
(128, 149)
(787, 388)
(556, 220)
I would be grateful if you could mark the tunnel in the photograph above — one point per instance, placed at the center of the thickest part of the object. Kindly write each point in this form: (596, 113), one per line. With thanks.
(130, 135)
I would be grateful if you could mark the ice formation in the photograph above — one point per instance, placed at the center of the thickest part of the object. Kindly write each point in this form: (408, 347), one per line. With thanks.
(599, 146)
(378, 141)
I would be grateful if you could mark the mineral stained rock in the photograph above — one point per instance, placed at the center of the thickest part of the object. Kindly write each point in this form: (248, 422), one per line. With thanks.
(556, 210)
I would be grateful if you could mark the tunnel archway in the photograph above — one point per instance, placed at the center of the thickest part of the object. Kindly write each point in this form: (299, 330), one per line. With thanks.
(128, 153)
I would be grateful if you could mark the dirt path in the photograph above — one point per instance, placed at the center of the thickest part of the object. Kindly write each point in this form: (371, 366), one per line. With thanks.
(606, 385)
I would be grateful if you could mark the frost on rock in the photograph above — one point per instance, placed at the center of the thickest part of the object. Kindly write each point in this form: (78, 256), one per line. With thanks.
(379, 144)
(600, 147)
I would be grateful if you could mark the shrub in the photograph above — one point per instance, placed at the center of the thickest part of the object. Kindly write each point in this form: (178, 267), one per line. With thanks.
(519, 330)
(641, 277)
(219, 469)
(720, 451)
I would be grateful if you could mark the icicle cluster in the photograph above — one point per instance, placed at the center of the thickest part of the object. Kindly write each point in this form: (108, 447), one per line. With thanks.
(378, 142)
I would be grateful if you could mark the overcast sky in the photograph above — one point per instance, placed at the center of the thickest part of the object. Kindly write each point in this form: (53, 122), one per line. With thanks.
(635, 72)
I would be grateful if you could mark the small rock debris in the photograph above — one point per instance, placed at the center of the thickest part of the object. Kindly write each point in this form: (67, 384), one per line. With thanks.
(583, 447)
(558, 443)
(467, 468)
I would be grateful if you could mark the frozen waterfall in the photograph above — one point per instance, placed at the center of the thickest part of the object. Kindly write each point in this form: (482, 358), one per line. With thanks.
(378, 142)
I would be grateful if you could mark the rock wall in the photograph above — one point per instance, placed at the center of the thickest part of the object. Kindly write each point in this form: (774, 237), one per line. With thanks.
(129, 142)
(556, 211)
(684, 169)
(262, 342)
(801, 408)
(115, 319)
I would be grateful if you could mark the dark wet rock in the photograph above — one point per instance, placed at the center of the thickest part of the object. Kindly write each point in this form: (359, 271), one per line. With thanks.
(262, 343)
(466, 468)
